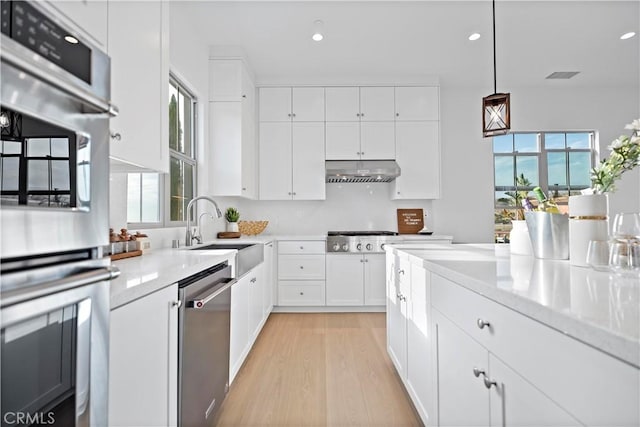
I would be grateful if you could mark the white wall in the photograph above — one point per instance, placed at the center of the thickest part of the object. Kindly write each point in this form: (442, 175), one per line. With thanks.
(466, 208)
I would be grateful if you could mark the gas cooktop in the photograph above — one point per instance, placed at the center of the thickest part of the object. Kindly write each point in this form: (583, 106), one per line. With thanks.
(359, 241)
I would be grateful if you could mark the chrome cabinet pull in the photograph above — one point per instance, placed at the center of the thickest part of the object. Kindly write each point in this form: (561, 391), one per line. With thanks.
(301, 293)
(176, 303)
(482, 323)
(400, 271)
(477, 372)
(488, 383)
(116, 136)
(301, 267)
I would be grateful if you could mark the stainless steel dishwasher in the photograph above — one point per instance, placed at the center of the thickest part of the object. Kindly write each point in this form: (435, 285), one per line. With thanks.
(203, 334)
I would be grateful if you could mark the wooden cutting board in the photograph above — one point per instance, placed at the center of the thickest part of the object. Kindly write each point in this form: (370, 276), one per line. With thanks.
(228, 235)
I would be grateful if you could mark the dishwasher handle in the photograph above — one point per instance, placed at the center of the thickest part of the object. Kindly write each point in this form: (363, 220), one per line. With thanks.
(201, 300)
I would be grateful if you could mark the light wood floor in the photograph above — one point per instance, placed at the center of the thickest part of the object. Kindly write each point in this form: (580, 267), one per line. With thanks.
(319, 369)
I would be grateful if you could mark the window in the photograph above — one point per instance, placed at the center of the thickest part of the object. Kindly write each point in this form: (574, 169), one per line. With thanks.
(147, 193)
(558, 162)
(182, 173)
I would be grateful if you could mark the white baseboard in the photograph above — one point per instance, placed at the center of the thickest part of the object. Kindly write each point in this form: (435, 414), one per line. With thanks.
(325, 309)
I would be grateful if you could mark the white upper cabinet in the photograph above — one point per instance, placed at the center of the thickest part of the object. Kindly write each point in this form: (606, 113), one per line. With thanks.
(418, 154)
(285, 104)
(308, 161)
(232, 157)
(376, 104)
(343, 104)
(139, 50)
(360, 123)
(417, 103)
(275, 161)
(229, 80)
(348, 104)
(292, 161)
(90, 15)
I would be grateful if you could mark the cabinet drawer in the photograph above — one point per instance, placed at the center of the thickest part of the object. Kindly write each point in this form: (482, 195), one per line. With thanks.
(594, 387)
(302, 247)
(292, 292)
(303, 267)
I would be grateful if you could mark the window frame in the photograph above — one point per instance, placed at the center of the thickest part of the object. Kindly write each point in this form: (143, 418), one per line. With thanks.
(164, 183)
(543, 167)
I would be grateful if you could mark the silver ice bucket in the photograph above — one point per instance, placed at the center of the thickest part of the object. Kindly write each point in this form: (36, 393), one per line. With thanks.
(549, 234)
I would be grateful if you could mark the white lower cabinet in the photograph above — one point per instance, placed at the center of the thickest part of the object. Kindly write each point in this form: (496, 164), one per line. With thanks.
(408, 335)
(268, 288)
(256, 304)
(238, 346)
(301, 273)
(143, 361)
(355, 279)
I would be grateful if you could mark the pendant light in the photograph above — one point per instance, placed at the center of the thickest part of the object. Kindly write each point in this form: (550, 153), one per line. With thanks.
(496, 117)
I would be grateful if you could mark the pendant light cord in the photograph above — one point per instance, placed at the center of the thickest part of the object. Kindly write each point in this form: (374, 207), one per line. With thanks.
(495, 85)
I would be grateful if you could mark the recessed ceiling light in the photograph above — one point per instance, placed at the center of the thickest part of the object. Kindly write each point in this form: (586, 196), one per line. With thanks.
(627, 35)
(71, 39)
(474, 36)
(317, 31)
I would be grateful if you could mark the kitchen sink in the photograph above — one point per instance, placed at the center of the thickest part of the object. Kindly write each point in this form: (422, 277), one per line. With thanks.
(248, 257)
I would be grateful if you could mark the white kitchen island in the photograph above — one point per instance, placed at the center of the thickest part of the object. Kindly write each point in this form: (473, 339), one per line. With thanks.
(481, 337)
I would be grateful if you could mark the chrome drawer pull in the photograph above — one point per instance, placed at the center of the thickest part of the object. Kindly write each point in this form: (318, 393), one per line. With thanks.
(482, 323)
(488, 383)
(477, 372)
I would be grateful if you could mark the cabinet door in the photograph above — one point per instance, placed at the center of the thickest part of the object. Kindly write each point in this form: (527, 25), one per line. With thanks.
(377, 140)
(418, 155)
(268, 288)
(345, 279)
(225, 130)
(343, 140)
(249, 184)
(397, 317)
(417, 103)
(256, 295)
(275, 161)
(308, 104)
(342, 104)
(374, 279)
(308, 161)
(140, 82)
(226, 79)
(239, 341)
(516, 402)
(275, 104)
(376, 104)
(90, 15)
(144, 346)
(419, 350)
(463, 399)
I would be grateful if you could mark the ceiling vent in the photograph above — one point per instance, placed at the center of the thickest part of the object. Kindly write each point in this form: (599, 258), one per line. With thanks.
(562, 75)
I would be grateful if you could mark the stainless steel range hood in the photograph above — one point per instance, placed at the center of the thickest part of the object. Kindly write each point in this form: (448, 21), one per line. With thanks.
(362, 170)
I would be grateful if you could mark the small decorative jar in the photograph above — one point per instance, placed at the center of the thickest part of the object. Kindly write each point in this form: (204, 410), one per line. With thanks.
(587, 221)
(519, 240)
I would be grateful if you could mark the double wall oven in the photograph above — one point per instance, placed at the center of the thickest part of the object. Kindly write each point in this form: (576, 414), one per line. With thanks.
(54, 181)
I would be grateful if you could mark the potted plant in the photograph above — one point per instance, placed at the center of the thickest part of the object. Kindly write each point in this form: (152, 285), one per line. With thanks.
(588, 211)
(232, 216)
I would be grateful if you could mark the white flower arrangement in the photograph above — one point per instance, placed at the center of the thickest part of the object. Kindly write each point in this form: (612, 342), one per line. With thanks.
(625, 155)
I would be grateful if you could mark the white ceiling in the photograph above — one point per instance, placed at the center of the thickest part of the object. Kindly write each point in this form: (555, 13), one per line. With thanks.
(400, 39)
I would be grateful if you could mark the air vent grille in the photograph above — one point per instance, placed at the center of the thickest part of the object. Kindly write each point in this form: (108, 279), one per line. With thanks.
(562, 75)
(356, 179)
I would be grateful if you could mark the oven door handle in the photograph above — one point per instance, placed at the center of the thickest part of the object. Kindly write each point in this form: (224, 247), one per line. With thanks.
(39, 71)
(201, 300)
(73, 281)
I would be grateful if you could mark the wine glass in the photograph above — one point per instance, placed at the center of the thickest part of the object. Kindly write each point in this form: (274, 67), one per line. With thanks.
(626, 227)
(598, 255)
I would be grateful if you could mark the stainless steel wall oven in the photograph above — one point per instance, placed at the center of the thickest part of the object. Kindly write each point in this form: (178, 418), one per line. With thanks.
(54, 182)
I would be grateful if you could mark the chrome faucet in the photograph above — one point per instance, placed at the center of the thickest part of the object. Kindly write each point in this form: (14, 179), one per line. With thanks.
(198, 234)
(189, 237)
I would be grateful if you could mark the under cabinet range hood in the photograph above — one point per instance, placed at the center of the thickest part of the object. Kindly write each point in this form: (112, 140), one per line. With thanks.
(361, 170)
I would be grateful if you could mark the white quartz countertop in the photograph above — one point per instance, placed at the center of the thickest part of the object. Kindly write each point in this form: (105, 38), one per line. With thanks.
(143, 275)
(598, 308)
